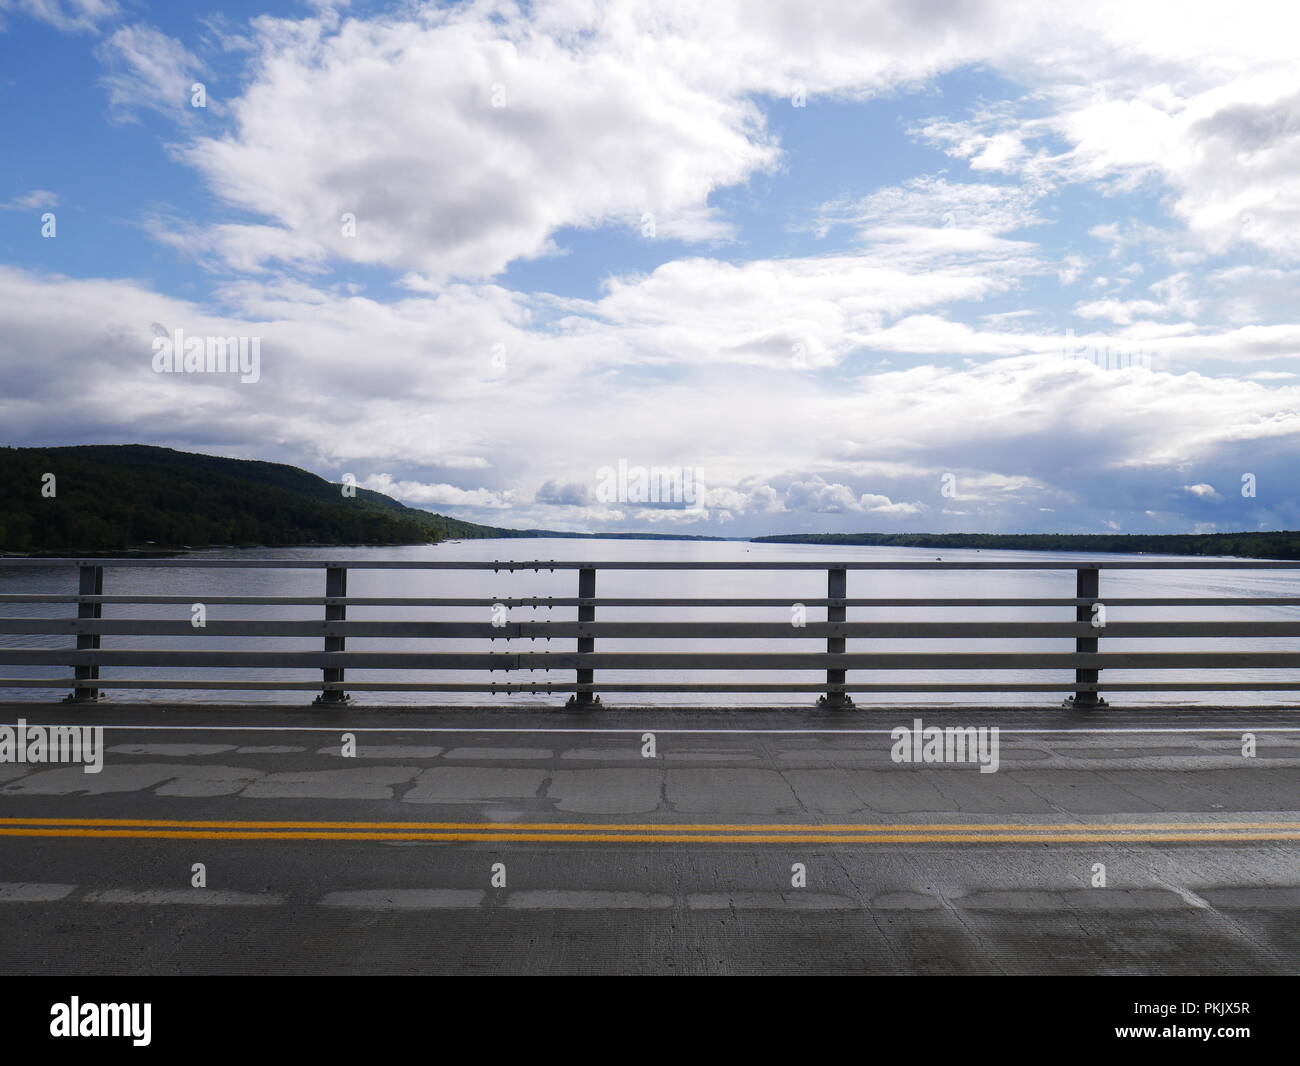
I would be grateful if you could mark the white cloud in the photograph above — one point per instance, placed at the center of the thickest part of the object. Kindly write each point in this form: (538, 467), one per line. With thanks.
(818, 496)
(797, 313)
(874, 503)
(1121, 312)
(1162, 93)
(414, 492)
(148, 69)
(611, 114)
(36, 200)
(447, 184)
(931, 202)
(567, 494)
(68, 15)
(1071, 269)
(821, 497)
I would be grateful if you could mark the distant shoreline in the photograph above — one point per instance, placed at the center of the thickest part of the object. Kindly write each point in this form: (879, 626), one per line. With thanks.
(1218, 545)
(1280, 545)
(168, 553)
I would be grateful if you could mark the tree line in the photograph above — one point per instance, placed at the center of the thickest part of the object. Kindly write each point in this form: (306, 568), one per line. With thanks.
(1269, 545)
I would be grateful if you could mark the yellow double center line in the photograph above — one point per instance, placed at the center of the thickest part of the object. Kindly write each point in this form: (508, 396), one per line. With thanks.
(658, 833)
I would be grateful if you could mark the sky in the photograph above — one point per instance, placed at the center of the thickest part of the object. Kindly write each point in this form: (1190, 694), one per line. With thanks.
(732, 268)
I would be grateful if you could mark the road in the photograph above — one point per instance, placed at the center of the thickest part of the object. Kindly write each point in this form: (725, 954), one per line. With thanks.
(547, 842)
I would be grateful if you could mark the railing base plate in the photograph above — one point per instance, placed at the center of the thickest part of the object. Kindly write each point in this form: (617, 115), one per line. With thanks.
(101, 698)
(1088, 704)
(835, 701)
(573, 702)
(342, 699)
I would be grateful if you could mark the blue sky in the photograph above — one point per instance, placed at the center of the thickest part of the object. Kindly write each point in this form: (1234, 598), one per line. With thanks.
(976, 267)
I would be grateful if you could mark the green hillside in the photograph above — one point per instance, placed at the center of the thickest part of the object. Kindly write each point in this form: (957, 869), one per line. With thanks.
(114, 497)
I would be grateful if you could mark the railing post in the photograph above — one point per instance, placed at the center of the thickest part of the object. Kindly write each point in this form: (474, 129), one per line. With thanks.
(586, 613)
(336, 584)
(90, 582)
(837, 588)
(1087, 586)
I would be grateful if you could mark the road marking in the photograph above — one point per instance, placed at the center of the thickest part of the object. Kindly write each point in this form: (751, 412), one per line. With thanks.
(559, 899)
(721, 834)
(657, 827)
(585, 730)
(203, 897)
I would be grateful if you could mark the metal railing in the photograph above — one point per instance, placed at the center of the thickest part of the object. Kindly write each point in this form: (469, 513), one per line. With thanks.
(334, 659)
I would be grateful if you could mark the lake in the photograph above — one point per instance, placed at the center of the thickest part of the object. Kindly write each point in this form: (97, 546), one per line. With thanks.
(793, 586)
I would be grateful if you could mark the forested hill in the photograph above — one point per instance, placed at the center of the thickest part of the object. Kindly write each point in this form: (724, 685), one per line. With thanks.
(114, 497)
(1283, 545)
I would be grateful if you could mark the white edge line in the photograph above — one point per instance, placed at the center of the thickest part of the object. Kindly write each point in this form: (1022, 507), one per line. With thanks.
(1235, 730)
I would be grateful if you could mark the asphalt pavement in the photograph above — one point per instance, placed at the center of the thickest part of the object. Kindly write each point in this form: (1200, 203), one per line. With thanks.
(651, 841)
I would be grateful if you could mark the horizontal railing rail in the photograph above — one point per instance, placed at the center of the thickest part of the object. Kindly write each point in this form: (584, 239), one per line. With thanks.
(646, 630)
(966, 668)
(655, 564)
(641, 601)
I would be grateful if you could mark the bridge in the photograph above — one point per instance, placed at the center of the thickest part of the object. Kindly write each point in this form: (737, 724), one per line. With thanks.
(343, 837)
(1088, 605)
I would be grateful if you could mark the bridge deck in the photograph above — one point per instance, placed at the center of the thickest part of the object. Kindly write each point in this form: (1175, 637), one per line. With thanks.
(617, 863)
